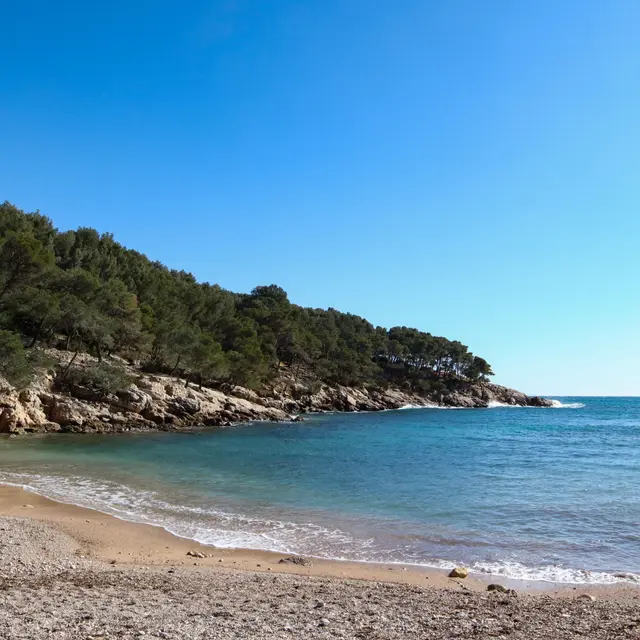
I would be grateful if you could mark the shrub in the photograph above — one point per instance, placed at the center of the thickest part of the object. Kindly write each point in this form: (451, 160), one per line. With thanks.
(105, 379)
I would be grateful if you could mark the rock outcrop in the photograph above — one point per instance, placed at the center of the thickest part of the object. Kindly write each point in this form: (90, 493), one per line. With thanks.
(156, 401)
(460, 394)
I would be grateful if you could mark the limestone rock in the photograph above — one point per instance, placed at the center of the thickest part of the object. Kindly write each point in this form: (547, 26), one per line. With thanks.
(164, 402)
(184, 406)
(459, 572)
(132, 399)
(66, 412)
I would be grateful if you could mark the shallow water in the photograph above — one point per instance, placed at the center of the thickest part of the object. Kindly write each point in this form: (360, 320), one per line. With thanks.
(541, 494)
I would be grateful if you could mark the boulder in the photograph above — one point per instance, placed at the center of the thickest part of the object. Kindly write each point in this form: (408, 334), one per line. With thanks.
(497, 587)
(184, 406)
(459, 572)
(65, 413)
(132, 400)
(9, 421)
(50, 426)
(460, 400)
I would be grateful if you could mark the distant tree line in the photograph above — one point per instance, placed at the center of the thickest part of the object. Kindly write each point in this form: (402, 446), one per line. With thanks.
(83, 292)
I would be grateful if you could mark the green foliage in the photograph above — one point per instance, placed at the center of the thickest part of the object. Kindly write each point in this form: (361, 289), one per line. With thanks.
(82, 291)
(14, 365)
(102, 378)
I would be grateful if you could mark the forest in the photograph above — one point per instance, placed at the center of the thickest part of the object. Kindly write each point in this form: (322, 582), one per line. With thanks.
(81, 291)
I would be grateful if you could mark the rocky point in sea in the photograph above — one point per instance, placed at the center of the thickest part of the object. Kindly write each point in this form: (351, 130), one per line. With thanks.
(158, 401)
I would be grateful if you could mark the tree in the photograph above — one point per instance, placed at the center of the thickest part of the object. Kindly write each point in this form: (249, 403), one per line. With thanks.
(14, 365)
(83, 291)
(206, 359)
(22, 258)
(479, 368)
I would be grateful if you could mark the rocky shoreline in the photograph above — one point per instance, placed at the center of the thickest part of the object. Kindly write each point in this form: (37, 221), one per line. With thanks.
(163, 402)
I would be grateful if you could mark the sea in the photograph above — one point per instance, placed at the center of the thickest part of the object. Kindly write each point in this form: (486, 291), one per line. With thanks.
(536, 494)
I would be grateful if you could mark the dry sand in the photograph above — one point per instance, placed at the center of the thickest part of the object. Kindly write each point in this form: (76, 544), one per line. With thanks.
(68, 572)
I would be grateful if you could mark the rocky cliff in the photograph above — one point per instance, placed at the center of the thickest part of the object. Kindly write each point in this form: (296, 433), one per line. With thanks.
(167, 403)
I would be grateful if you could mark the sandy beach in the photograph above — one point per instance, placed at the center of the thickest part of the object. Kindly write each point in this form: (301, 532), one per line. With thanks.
(69, 572)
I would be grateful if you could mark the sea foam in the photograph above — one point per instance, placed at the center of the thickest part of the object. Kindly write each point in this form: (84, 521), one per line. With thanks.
(230, 530)
(556, 404)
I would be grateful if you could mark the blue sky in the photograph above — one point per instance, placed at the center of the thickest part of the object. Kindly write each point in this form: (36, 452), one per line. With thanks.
(469, 168)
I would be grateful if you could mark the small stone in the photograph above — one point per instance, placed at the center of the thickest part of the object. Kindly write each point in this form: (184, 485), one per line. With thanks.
(27, 506)
(459, 572)
(113, 562)
(497, 587)
(298, 560)
(323, 622)
(586, 596)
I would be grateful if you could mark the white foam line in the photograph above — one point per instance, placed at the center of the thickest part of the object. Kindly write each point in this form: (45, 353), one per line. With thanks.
(266, 541)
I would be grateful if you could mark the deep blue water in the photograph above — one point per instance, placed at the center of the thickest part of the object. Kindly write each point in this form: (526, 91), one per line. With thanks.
(527, 492)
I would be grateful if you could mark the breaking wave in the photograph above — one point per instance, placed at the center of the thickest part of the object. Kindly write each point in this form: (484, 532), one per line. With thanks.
(224, 529)
(556, 404)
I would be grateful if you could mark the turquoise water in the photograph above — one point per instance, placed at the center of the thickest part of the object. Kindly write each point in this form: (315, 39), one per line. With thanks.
(544, 494)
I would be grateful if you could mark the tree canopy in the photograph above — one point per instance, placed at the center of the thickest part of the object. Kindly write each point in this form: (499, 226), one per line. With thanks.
(82, 291)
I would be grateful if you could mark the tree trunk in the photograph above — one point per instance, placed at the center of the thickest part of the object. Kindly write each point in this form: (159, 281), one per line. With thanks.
(37, 335)
(175, 366)
(66, 369)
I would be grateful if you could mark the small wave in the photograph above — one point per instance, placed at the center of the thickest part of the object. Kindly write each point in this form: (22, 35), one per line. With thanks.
(427, 406)
(212, 526)
(556, 404)
(552, 573)
(419, 406)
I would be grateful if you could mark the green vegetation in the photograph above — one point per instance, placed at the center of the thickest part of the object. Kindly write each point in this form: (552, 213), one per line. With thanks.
(102, 379)
(82, 291)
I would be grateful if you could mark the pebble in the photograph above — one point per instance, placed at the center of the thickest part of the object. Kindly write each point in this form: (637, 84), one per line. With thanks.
(46, 599)
(586, 596)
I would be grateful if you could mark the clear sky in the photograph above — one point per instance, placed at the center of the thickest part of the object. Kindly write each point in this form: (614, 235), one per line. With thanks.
(469, 168)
